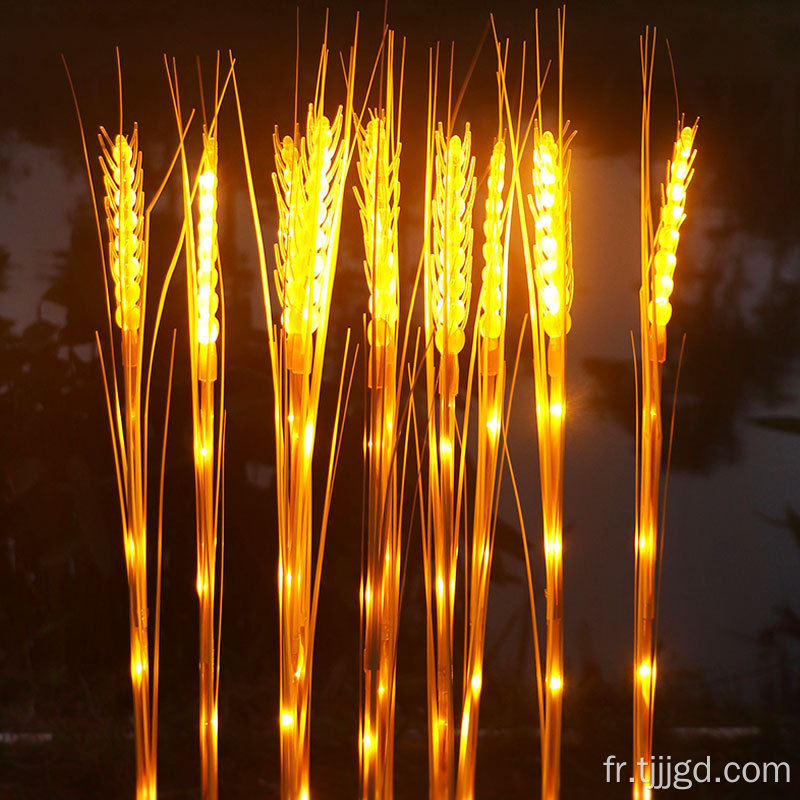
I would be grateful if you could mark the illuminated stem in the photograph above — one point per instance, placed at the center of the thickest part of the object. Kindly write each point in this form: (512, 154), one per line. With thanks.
(378, 201)
(136, 548)
(121, 164)
(658, 262)
(204, 302)
(490, 409)
(445, 560)
(488, 346)
(553, 535)
(206, 588)
(309, 186)
(380, 593)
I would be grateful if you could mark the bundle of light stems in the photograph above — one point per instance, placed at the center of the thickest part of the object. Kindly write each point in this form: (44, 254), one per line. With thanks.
(489, 352)
(658, 261)
(447, 253)
(127, 222)
(379, 207)
(309, 183)
(206, 325)
(547, 252)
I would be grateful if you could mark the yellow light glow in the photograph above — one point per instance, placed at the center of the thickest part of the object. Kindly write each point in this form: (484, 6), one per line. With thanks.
(679, 174)
(287, 720)
(644, 670)
(476, 682)
(493, 425)
(552, 547)
(556, 409)
(309, 437)
(555, 683)
(207, 278)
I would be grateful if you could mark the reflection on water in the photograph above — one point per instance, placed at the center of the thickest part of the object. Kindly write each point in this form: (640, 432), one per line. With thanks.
(36, 204)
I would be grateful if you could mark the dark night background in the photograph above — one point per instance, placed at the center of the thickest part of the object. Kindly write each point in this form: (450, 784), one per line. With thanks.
(730, 632)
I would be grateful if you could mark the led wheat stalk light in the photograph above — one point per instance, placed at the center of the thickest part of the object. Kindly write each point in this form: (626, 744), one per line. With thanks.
(552, 279)
(658, 268)
(447, 281)
(548, 266)
(205, 310)
(204, 329)
(378, 165)
(206, 315)
(550, 304)
(309, 184)
(121, 163)
(490, 339)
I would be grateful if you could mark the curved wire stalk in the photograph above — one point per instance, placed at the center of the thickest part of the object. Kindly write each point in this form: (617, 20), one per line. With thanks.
(378, 170)
(658, 262)
(309, 184)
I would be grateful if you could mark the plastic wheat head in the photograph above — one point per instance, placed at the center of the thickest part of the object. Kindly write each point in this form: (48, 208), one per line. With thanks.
(550, 205)
(307, 183)
(207, 280)
(454, 196)
(121, 162)
(679, 175)
(379, 207)
(492, 304)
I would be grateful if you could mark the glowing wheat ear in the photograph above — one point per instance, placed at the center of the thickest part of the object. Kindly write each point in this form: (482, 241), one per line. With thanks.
(658, 263)
(207, 276)
(306, 181)
(124, 206)
(550, 206)
(679, 174)
(452, 226)
(379, 209)
(121, 164)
